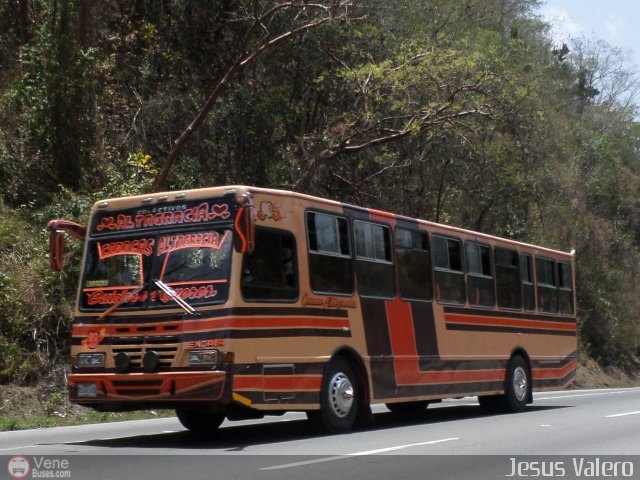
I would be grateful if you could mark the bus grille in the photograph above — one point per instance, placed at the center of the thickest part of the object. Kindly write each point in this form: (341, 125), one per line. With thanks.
(165, 346)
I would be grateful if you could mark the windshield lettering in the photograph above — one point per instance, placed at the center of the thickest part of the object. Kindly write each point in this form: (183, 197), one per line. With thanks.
(194, 240)
(143, 246)
(194, 267)
(189, 293)
(105, 297)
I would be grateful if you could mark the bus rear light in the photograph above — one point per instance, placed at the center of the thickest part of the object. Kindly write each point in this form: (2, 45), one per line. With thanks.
(94, 360)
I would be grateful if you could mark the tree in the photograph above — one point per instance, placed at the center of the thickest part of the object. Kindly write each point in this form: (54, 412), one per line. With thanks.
(259, 38)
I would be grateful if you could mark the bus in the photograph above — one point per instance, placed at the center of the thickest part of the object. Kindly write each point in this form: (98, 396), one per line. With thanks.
(238, 302)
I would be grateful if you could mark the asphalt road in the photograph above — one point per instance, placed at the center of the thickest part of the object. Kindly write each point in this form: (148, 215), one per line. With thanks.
(569, 434)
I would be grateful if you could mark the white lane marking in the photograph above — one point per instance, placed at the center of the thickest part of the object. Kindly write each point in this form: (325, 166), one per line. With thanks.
(545, 426)
(580, 395)
(355, 454)
(623, 414)
(18, 448)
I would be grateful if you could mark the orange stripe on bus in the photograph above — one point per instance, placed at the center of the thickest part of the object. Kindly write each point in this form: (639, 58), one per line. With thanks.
(230, 323)
(508, 322)
(405, 353)
(554, 373)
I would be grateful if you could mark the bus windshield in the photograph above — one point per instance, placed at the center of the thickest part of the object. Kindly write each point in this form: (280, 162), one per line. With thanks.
(124, 270)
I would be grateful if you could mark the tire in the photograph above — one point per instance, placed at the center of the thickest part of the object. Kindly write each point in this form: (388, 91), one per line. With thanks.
(339, 398)
(517, 386)
(199, 421)
(408, 409)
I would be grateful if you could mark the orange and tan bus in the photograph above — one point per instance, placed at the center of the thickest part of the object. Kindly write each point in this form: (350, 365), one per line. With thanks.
(237, 302)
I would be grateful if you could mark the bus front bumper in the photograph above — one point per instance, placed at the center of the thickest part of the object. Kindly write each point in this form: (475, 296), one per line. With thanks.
(160, 388)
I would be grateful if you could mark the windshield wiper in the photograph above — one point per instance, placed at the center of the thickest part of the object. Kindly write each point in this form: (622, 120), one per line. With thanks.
(174, 296)
(124, 299)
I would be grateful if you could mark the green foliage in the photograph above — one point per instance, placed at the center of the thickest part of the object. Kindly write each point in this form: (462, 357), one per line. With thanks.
(52, 98)
(34, 310)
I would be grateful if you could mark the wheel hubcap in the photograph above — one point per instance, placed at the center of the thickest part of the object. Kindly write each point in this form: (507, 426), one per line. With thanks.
(341, 395)
(520, 383)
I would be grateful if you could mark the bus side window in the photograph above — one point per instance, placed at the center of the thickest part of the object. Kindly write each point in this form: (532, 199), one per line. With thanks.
(508, 283)
(330, 263)
(526, 279)
(270, 272)
(565, 288)
(374, 261)
(546, 283)
(449, 276)
(414, 264)
(480, 288)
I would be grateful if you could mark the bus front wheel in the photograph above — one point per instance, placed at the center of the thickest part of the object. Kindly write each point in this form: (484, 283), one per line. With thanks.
(339, 398)
(199, 421)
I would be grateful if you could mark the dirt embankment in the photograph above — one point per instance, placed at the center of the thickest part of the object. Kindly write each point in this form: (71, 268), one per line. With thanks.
(592, 375)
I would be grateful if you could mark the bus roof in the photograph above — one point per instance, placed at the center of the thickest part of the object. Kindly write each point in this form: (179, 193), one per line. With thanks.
(227, 190)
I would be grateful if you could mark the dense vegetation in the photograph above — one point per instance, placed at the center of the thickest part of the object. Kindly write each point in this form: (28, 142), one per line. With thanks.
(459, 111)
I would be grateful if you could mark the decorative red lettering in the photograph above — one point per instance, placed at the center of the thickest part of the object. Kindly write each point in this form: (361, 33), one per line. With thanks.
(218, 342)
(143, 246)
(195, 240)
(190, 293)
(328, 302)
(121, 222)
(110, 297)
(204, 212)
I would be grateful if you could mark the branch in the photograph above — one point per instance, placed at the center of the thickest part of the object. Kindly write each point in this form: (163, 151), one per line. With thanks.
(246, 59)
(427, 121)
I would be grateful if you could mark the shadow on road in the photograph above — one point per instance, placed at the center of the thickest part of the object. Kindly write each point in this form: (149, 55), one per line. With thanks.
(237, 437)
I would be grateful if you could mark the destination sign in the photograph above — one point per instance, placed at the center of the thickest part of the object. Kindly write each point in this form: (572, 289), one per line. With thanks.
(199, 212)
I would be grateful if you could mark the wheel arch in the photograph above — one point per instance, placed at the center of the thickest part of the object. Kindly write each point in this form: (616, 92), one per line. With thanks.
(357, 362)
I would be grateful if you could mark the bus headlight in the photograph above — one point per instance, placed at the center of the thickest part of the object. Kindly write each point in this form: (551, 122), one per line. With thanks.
(203, 357)
(90, 360)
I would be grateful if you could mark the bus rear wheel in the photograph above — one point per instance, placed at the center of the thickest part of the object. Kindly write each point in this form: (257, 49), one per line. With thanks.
(517, 385)
(339, 398)
(199, 421)
(517, 389)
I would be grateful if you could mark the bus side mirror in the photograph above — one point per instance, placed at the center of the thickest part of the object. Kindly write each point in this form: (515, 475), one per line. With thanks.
(57, 230)
(56, 250)
(244, 240)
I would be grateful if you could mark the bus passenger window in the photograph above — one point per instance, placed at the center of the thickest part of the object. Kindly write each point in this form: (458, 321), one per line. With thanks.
(565, 288)
(374, 264)
(330, 264)
(480, 289)
(547, 285)
(270, 272)
(526, 279)
(414, 264)
(449, 277)
(508, 285)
